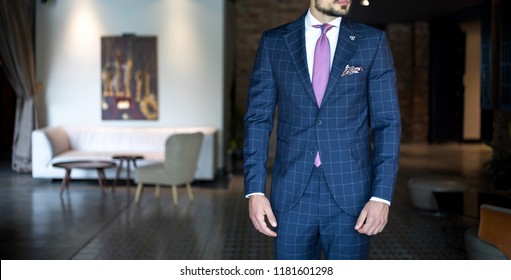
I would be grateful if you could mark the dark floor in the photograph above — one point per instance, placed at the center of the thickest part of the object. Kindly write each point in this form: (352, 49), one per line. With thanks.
(36, 222)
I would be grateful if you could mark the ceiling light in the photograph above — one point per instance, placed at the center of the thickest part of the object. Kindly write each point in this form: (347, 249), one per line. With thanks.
(364, 3)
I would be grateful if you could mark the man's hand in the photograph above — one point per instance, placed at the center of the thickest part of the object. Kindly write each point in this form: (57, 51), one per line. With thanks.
(373, 218)
(258, 208)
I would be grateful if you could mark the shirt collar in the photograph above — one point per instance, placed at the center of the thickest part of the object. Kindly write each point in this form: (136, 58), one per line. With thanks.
(310, 20)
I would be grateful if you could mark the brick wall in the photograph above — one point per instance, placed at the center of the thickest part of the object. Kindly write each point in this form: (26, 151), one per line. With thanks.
(420, 114)
(252, 17)
(410, 47)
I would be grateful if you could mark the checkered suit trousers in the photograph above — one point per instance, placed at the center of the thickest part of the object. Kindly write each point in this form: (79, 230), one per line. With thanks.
(317, 225)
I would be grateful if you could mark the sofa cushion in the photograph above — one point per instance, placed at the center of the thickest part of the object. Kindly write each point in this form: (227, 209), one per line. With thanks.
(58, 139)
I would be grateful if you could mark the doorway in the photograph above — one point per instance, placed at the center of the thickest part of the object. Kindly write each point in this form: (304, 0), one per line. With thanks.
(472, 81)
(446, 82)
(7, 116)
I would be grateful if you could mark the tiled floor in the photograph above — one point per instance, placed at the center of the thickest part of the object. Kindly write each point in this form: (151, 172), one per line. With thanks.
(38, 223)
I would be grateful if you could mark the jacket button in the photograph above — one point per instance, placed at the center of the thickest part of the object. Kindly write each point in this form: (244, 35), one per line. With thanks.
(319, 122)
(313, 152)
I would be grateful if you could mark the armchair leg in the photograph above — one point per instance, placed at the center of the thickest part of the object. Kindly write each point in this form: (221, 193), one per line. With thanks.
(138, 192)
(189, 190)
(157, 190)
(174, 194)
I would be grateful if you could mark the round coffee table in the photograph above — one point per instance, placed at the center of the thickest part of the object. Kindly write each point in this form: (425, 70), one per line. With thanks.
(99, 165)
(127, 158)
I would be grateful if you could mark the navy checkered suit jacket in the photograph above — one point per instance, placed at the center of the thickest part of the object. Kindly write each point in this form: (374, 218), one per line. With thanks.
(357, 129)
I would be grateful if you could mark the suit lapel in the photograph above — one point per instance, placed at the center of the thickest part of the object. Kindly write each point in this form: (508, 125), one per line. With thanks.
(295, 43)
(346, 46)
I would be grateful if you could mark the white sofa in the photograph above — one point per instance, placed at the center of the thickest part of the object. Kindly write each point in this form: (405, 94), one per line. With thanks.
(65, 143)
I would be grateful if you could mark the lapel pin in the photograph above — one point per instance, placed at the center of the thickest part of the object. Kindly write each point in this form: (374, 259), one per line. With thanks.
(352, 38)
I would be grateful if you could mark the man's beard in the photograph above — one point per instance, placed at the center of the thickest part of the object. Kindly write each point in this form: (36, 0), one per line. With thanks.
(330, 11)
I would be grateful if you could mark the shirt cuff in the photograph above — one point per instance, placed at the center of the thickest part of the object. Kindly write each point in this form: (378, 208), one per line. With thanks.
(380, 200)
(256, 193)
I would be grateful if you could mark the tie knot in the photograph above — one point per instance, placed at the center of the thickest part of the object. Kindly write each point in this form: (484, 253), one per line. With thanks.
(324, 27)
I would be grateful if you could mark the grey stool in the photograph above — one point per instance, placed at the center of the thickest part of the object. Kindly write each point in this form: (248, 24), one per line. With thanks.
(422, 190)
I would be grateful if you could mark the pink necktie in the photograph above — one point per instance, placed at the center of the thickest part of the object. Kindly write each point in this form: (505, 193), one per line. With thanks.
(321, 69)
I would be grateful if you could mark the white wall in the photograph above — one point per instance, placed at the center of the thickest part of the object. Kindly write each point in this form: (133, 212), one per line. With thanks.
(472, 81)
(190, 39)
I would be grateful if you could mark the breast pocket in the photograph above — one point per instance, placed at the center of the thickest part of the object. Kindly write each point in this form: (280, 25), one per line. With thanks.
(352, 84)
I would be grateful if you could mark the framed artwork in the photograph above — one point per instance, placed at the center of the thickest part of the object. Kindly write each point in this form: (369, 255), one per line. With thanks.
(129, 76)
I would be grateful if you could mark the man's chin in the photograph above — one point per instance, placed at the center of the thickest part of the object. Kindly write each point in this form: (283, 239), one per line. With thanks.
(338, 10)
(344, 9)
(340, 13)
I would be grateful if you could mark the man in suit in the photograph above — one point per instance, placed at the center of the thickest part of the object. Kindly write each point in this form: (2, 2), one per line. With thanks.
(338, 136)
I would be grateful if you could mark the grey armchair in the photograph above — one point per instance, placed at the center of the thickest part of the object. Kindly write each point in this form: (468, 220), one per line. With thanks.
(181, 155)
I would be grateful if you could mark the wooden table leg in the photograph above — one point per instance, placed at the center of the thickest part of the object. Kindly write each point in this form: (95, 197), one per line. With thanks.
(117, 175)
(65, 180)
(101, 178)
(128, 177)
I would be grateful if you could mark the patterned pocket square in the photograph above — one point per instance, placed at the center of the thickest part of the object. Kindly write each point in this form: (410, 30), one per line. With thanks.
(350, 70)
